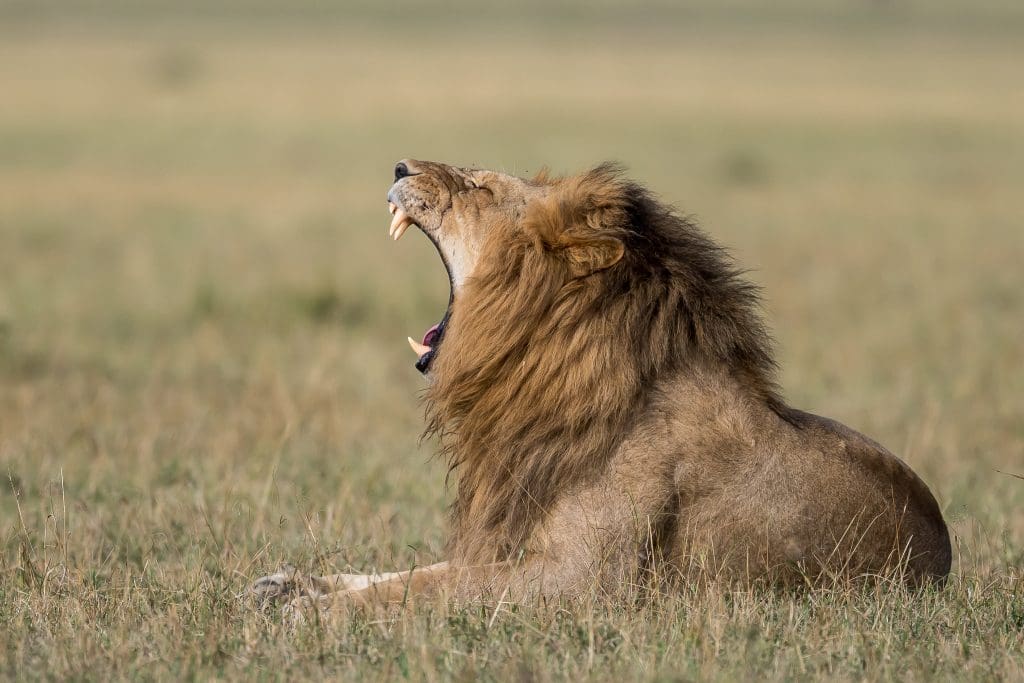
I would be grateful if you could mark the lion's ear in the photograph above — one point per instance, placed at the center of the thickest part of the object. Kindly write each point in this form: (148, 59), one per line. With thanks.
(585, 258)
(580, 219)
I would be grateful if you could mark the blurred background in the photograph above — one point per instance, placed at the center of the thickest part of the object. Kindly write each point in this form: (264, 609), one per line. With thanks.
(203, 364)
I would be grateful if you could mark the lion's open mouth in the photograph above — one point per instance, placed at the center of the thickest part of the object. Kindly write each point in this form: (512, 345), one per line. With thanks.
(425, 349)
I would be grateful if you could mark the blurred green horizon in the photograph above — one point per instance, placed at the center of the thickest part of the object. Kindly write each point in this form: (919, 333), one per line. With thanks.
(535, 14)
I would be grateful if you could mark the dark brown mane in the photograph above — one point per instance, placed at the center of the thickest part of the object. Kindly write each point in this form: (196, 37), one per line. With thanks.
(555, 344)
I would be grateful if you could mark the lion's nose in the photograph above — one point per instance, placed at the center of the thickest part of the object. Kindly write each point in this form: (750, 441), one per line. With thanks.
(405, 167)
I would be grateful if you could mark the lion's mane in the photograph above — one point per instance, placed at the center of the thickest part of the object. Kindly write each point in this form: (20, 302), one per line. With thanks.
(550, 353)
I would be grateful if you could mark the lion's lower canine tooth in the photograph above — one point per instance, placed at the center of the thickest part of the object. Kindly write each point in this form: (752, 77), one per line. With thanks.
(418, 348)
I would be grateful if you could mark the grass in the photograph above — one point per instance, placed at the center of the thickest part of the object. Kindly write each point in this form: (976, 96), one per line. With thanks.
(202, 365)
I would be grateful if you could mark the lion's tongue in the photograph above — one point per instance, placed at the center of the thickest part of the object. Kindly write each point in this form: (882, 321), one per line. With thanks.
(429, 337)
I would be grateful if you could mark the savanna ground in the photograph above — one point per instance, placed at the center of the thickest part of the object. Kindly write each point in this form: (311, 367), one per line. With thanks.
(203, 370)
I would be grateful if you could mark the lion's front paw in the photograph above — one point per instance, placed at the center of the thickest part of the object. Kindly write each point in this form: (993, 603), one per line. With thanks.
(305, 609)
(276, 588)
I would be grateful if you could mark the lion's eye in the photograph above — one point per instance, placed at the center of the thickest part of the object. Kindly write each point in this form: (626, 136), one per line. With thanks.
(473, 184)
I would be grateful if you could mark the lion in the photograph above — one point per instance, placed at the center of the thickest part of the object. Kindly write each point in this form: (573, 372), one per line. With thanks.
(603, 389)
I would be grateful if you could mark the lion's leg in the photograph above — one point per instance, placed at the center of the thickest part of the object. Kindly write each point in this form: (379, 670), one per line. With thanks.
(344, 582)
(587, 544)
(290, 583)
(512, 581)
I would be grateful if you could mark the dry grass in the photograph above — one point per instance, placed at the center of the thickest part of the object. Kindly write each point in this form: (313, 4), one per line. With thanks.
(202, 366)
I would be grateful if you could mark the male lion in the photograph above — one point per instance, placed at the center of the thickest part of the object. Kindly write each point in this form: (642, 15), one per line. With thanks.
(602, 386)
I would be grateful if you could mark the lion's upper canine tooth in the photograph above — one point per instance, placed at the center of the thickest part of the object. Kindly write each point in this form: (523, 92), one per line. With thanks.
(400, 217)
(400, 230)
(418, 348)
(392, 207)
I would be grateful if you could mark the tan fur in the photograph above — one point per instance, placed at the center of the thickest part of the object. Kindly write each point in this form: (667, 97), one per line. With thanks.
(604, 393)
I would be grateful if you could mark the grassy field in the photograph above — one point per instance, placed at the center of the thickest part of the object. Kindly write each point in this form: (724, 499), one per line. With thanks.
(203, 370)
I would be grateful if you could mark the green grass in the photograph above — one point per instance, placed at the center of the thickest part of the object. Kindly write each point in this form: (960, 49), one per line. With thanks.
(203, 370)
